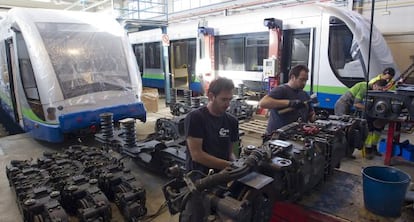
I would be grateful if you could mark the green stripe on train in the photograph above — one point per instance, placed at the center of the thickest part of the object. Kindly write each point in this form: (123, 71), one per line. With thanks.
(328, 89)
(28, 113)
(153, 76)
(159, 76)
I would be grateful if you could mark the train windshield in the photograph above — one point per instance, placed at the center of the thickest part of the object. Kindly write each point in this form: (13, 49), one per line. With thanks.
(85, 59)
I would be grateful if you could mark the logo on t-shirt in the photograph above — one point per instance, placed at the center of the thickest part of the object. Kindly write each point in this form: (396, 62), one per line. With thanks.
(224, 132)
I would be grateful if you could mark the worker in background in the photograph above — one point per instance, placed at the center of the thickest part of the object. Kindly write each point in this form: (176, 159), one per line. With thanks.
(291, 95)
(354, 99)
(355, 96)
(211, 134)
(375, 126)
(388, 75)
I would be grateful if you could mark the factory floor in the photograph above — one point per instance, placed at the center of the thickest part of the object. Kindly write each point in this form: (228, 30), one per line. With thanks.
(22, 147)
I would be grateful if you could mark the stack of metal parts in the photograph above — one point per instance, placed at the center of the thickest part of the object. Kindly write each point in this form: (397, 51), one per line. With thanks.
(238, 105)
(291, 163)
(179, 108)
(80, 182)
(391, 105)
(160, 151)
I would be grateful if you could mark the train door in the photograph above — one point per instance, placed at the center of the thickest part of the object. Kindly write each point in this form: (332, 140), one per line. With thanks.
(183, 62)
(298, 49)
(30, 90)
(12, 68)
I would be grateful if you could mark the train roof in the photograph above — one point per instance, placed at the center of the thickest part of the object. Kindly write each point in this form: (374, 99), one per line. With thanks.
(29, 16)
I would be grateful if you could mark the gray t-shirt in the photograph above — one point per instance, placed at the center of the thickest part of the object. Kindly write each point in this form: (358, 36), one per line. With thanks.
(278, 120)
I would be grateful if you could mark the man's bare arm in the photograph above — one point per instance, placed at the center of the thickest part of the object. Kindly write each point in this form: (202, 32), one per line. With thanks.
(268, 102)
(233, 146)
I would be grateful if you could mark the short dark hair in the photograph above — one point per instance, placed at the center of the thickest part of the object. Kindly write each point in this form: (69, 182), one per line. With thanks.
(389, 70)
(295, 71)
(381, 82)
(220, 84)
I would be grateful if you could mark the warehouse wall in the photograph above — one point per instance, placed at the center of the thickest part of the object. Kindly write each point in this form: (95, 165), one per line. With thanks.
(402, 47)
(394, 18)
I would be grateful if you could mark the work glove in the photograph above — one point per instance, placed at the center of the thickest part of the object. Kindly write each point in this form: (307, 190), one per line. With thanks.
(296, 103)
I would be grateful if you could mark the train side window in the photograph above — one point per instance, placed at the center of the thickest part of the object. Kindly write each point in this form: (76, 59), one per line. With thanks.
(28, 78)
(139, 54)
(4, 75)
(153, 55)
(344, 55)
(256, 50)
(231, 54)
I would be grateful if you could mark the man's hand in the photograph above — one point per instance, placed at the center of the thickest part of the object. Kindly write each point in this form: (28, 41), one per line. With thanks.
(296, 103)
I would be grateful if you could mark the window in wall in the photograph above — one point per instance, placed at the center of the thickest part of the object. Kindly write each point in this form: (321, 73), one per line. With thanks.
(344, 54)
(153, 55)
(181, 5)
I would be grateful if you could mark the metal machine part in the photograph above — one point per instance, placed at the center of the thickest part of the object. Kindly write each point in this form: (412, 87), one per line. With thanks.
(160, 151)
(240, 109)
(82, 197)
(391, 105)
(78, 182)
(238, 105)
(246, 198)
(290, 163)
(355, 129)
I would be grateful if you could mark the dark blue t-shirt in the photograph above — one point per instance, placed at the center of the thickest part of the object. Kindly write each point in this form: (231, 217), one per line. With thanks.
(286, 92)
(217, 132)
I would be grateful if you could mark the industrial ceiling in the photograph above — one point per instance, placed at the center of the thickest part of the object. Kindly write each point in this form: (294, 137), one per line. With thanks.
(54, 4)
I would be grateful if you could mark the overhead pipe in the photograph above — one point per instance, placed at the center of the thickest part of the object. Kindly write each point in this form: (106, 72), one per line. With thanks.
(73, 5)
(96, 5)
(208, 10)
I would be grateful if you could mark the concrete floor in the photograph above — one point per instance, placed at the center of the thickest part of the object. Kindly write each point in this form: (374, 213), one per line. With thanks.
(22, 147)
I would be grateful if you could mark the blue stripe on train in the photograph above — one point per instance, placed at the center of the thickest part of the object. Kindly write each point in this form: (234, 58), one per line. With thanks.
(80, 120)
(77, 121)
(42, 131)
(153, 83)
(327, 100)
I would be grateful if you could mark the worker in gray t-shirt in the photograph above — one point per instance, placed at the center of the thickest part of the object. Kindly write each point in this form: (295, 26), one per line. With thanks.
(287, 95)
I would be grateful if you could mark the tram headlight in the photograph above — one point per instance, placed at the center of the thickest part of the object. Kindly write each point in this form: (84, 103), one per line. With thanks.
(51, 113)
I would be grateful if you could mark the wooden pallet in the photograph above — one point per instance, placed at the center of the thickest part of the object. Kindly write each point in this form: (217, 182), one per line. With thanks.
(254, 126)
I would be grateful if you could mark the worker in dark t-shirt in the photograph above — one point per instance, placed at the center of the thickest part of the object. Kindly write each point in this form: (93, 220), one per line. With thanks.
(287, 95)
(211, 131)
(211, 135)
